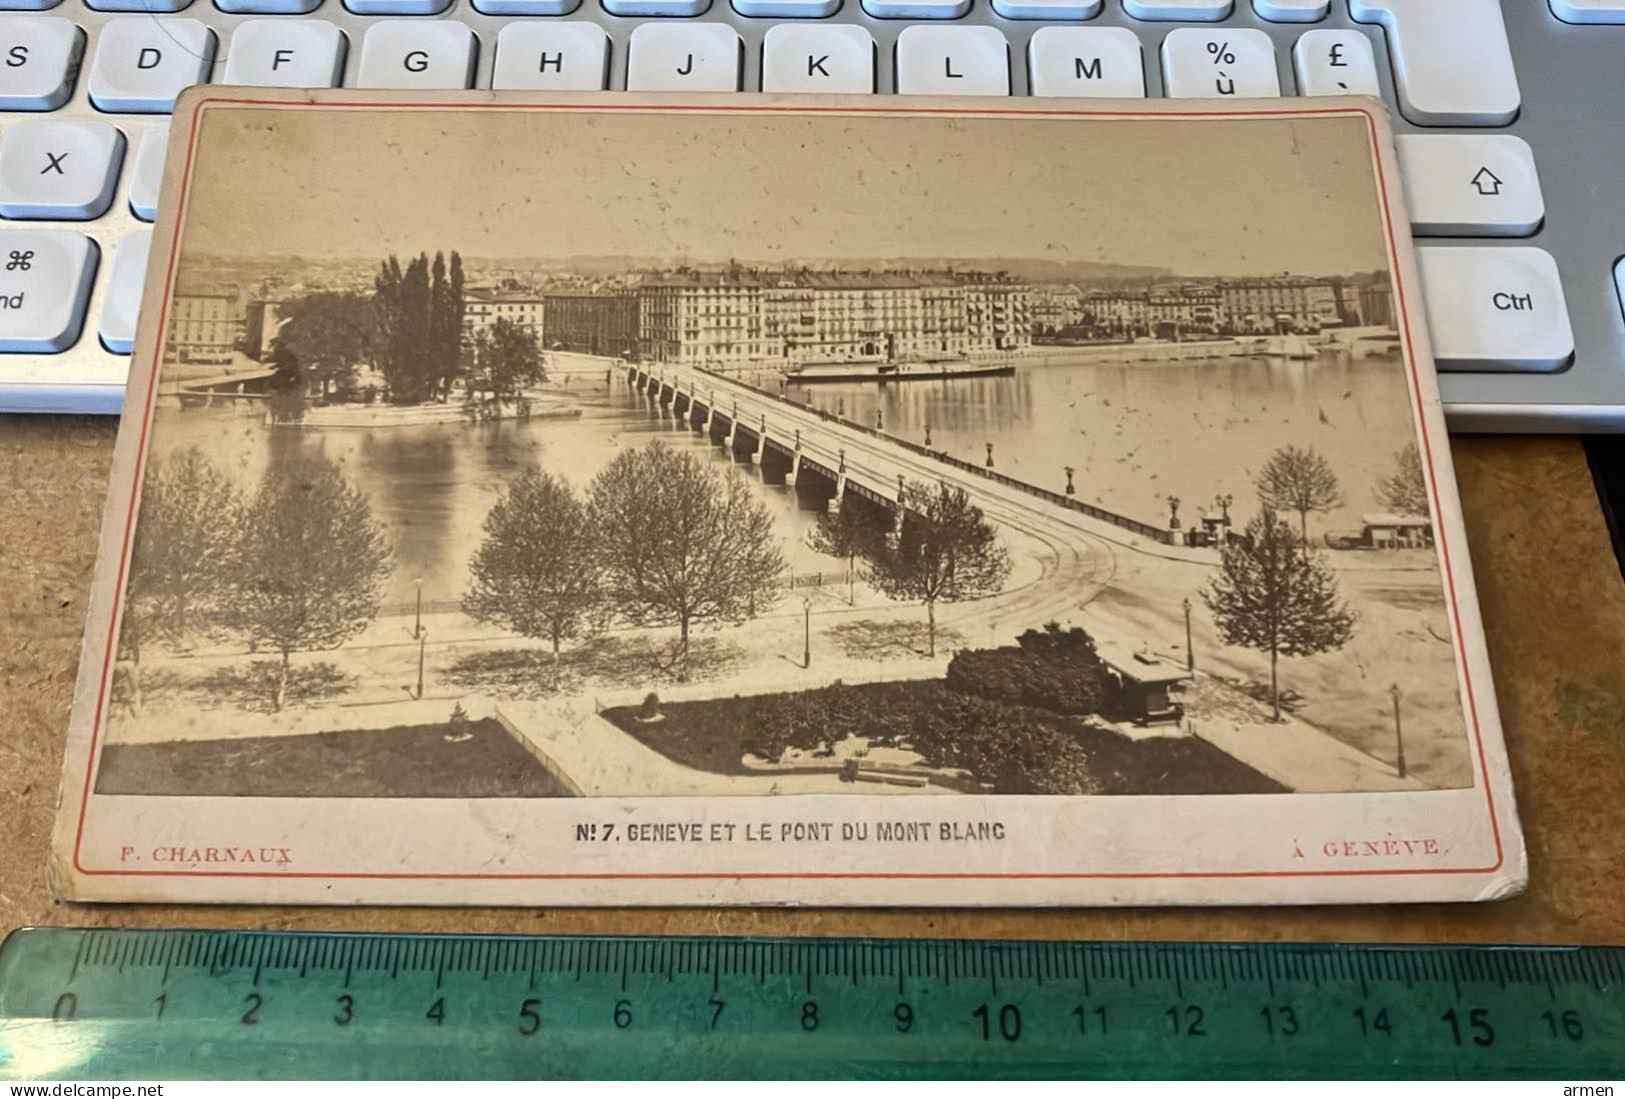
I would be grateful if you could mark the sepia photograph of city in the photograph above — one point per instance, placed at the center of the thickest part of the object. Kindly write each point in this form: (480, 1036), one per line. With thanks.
(765, 469)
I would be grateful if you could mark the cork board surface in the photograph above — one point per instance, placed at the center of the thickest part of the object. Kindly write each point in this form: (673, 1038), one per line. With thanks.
(1554, 612)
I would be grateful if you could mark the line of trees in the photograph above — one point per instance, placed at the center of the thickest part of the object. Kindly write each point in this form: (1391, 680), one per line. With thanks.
(658, 539)
(297, 564)
(410, 328)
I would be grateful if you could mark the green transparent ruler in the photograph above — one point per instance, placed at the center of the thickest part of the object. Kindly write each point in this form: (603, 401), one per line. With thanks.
(187, 1004)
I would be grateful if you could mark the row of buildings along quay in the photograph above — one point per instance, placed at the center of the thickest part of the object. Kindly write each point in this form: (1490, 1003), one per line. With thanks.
(735, 317)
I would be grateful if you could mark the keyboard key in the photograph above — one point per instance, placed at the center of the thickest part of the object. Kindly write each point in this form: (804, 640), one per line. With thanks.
(526, 7)
(268, 7)
(59, 168)
(1335, 63)
(1217, 64)
(916, 9)
(787, 9)
(1195, 11)
(124, 281)
(142, 64)
(1589, 11)
(1495, 309)
(1292, 11)
(1086, 61)
(953, 61)
(40, 58)
(148, 174)
(409, 53)
(45, 279)
(286, 53)
(397, 7)
(560, 56)
(29, 5)
(683, 57)
(657, 7)
(818, 57)
(1047, 9)
(165, 7)
(1452, 62)
(1470, 185)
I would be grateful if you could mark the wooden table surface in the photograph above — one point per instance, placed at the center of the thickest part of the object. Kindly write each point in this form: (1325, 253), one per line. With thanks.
(1554, 608)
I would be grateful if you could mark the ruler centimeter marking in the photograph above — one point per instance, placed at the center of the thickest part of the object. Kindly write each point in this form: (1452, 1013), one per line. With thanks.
(234, 1004)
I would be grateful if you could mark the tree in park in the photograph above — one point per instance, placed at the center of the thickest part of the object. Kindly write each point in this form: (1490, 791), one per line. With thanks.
(311, 563)
(445, 322)
(946, 552)
(506, 359)
(330, 333)
(1405, 490)
(1268, 596)
(854, 530)
(1301, 481)
(682, 544)
(536, 571)
(181, 559)
(419, 313)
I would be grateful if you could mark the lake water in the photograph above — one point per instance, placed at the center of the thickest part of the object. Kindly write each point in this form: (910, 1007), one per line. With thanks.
(1134, 433)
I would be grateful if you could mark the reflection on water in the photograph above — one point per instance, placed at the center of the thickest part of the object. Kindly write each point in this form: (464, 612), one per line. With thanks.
(432, 484)
(1134, 432)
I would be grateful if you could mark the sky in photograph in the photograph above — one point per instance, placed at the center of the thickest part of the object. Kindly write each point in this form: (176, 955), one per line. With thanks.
(1228, 197)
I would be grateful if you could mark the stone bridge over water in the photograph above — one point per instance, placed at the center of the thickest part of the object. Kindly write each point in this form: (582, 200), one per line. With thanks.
(822, 454)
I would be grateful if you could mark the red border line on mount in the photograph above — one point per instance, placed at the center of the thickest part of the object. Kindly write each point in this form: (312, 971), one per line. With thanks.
(148, 397)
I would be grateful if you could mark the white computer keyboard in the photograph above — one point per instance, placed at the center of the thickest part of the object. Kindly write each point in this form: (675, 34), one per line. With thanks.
(1512, 146)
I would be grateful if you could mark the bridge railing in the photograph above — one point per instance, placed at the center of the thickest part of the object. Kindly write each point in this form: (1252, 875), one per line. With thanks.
(1071, 503)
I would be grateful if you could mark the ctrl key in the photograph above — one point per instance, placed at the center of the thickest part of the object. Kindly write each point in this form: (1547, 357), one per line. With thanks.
(1495, 309)
(45, 280)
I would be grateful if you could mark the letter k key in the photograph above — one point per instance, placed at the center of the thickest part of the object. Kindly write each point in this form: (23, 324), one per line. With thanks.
(816, 65)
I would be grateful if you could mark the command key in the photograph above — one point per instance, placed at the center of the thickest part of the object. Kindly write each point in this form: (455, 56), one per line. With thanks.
(45, 280)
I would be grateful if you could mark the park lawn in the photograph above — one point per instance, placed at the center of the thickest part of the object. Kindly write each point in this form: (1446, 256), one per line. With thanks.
(406, 761)
(711, 734)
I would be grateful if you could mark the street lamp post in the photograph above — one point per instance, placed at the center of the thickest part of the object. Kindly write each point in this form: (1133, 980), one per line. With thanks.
(423, 640)
(1190, 653)
(1173, 513)
(1399, 735)
(989, 455)
(928, 433)
(806, 632)
(417, 621)
(1070, 489)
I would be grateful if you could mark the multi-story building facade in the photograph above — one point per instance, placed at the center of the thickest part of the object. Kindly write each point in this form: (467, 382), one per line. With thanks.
(592, 323)
(1260, 303)
(1054, 307)
(737, 317)
(206, 326)
(1187, 306)
(1377, 303)
(1119, 309)
(482, 307)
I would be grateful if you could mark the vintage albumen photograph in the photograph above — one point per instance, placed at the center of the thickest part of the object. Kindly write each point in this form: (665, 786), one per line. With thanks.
(884, 468)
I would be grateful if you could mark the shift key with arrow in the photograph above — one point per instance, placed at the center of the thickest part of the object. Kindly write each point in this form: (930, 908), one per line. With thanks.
(1470, 185)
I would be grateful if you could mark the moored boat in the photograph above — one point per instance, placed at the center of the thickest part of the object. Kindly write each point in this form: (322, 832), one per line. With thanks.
(889, 371)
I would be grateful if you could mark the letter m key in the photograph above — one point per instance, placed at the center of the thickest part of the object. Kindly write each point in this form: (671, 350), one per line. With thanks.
(1086, 70)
